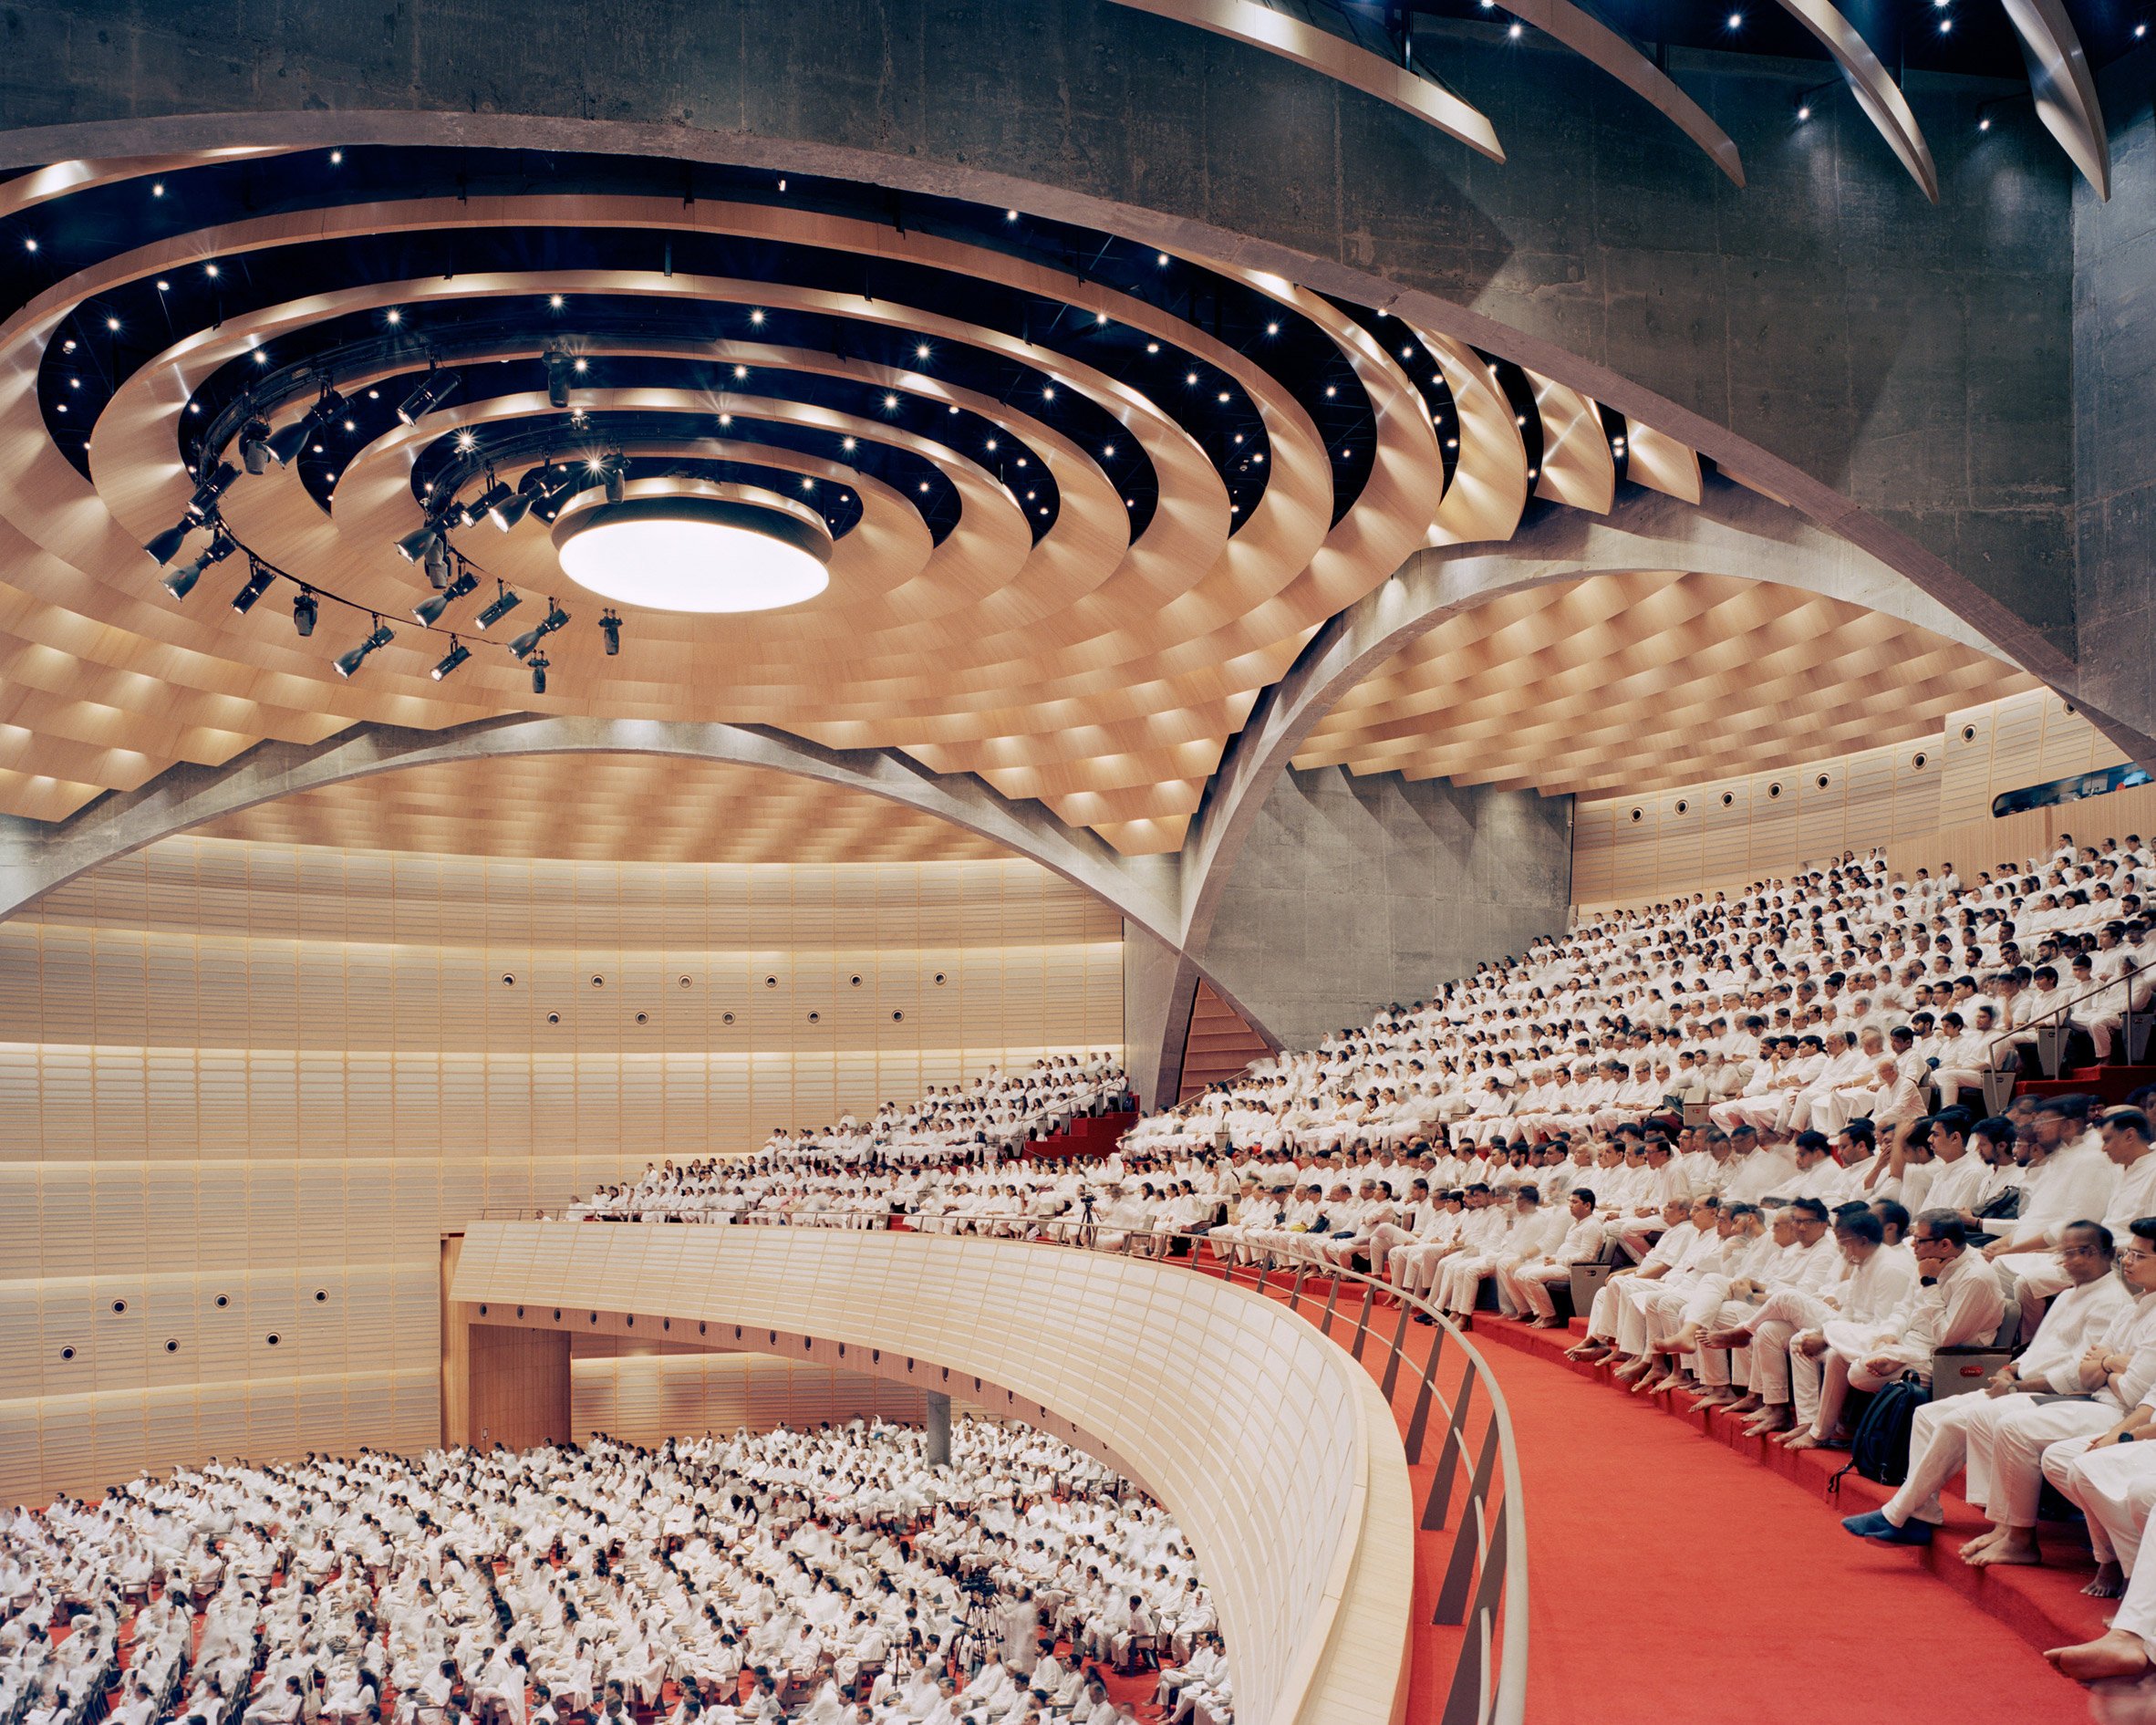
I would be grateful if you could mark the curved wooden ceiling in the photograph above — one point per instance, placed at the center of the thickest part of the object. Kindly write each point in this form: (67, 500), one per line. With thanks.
(1643, 680)
(1087, 500)
(607, 809)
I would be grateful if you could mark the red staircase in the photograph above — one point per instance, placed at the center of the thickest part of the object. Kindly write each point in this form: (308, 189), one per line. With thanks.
(1088, 1136)
(2113, 1083)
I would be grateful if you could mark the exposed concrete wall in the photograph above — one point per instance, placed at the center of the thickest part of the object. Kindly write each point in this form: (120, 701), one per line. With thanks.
(1353, 892)
(1907, 361)
(2115, 408)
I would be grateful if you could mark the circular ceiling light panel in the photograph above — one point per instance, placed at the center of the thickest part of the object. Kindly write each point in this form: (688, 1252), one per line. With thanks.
(695, 551)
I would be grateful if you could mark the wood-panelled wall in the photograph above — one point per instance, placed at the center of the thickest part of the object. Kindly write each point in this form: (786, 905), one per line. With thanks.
(246, 1087)
(1926, 802)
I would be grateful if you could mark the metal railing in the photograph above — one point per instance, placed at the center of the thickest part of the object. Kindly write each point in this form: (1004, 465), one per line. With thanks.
(1485, 1586)
(2050, 1027)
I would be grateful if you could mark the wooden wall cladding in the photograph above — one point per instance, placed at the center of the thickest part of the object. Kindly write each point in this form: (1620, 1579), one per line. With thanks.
(1926, 802)
(248, 1086)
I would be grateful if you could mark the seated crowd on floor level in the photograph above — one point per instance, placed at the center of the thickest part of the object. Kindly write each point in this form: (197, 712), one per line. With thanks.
(835, 1577)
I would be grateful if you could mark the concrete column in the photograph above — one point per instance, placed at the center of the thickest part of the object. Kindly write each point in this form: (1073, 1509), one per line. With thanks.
(938, 1431)
(1159, 984)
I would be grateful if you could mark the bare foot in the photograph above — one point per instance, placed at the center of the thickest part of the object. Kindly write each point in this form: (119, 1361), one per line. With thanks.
(2109, 1582)
(1686, 1340)
(2113, 1654)
(1983, 1541)
(1718, 1397)
(1747, 1405)
(1632, 1368)
(1767, 1420)
(1800, 1440)
(2014, 1545)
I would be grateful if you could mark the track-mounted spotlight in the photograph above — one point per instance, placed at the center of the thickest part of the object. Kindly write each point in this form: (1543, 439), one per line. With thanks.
(429, 610)
(286, 442)
(555, 618)
(510, 510)
(203, 504)
(610, 627)
(615, 479)
(436, 563)
(180, 582)
(258, 583)
(457, 654)
(539, 675)
(166, 546)
(499, 606)
(496, 495)
(560, 371)
(437, 390)
(348, 662)
(254, 450)
(419, 542)
(305, 607)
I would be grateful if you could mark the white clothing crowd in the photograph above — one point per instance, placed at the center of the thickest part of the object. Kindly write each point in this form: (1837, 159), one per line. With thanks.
(835, 1577)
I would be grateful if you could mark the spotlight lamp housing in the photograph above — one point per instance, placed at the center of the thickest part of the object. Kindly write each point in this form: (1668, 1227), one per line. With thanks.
(429, 610)
(610, 627)
(560, 375)
(617, 479)
(180, 582)
(166, 546)
(457, 654)
(483, 505)
(556, 619)
(434, 393)
(259, 580)
(286, 442)
(539, 674)
(499, 606)
(305, 607)
(348, 662)
(203, 504)
(419, 541)
(254, 448)
(510, 510)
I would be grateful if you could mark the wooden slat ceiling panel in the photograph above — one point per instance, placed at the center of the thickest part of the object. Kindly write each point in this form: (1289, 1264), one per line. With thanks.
(1646, 681)
(607, 809)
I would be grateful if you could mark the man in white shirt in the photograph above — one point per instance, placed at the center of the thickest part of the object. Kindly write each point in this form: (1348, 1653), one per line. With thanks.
(2123, 1135)
(1959, 1303)
(2069, 1178)
(2052, 1364)
(1530, 1280)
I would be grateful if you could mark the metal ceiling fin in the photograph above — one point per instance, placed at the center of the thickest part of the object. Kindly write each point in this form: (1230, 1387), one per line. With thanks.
(1591, 39)
(1261, 27)
(2066, 94)
(1876, 93)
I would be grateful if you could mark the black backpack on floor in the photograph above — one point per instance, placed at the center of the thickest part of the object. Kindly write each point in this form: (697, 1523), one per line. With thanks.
(1879, 1451)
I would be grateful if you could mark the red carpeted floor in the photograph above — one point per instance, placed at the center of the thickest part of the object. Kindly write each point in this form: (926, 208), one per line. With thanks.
(1672, 1581)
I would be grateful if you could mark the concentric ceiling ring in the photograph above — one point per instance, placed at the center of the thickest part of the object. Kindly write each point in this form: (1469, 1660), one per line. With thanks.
(1082, 500)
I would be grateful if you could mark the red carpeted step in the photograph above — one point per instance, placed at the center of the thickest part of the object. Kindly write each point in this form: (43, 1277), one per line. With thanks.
(2043, 1607)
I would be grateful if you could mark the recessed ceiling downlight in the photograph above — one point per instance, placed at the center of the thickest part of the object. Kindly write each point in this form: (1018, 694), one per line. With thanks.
(695, 552)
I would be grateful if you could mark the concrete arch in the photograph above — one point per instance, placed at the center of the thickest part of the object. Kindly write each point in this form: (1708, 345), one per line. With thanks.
(1732, 532)
(35, 859)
